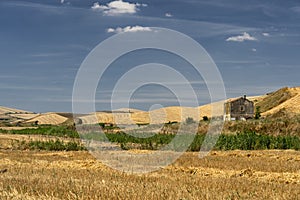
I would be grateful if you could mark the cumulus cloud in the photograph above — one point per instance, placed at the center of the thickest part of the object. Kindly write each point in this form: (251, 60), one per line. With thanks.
(62, 1)
(117, 7)
(168, 15)
(266, 34)
(241, 38)
(128, 29)
(253, 49)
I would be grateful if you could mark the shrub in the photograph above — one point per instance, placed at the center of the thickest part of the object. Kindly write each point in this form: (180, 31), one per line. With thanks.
(189, 120)
(205, 118)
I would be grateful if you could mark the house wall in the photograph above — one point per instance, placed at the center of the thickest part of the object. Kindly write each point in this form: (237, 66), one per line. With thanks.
(242, 108)
(239, 109)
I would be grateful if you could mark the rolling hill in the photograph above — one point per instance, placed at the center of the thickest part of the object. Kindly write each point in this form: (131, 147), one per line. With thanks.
(48, 118)
(283, 102)
(6, 110)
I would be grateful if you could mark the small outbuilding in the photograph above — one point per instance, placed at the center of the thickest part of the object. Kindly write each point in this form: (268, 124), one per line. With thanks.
(238, 109)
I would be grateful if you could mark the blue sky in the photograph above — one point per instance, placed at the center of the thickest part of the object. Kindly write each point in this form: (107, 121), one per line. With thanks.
(255, 45)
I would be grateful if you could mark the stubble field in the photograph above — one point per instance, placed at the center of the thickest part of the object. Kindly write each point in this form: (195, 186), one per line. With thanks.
(272, 174)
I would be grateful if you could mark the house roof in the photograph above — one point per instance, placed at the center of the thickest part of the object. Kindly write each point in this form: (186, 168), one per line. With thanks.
(237, 98)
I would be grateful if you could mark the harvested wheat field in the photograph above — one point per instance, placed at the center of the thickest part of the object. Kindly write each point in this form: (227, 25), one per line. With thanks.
(221, 175)
(4, 110)
(49, 118)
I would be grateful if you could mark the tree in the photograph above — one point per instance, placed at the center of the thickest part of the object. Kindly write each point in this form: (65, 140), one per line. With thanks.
(257, 112)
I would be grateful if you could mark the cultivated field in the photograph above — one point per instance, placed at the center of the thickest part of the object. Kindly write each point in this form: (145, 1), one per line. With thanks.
(237, 174)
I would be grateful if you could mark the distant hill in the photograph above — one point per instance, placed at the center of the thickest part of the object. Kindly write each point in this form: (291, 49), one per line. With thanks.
(284, 102)
(49, 118)
(5, 110)
(13, 115)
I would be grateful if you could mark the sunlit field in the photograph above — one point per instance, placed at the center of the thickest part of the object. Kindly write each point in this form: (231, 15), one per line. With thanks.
(221, 175)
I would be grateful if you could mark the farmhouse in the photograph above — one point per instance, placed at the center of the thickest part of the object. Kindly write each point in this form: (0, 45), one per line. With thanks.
(238, 109)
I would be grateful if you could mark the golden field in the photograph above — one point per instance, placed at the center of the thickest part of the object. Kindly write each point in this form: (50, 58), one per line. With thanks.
(220, 175)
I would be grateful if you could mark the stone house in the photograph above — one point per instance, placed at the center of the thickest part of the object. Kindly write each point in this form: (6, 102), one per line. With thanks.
(238, 109)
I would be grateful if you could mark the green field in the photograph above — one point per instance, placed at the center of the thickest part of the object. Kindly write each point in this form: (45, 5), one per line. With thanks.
(246, 140)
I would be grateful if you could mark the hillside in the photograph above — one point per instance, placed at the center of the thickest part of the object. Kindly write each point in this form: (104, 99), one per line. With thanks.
(49, 118)
(285, 100)
(5, 110)
(281, 103)
(12, 115)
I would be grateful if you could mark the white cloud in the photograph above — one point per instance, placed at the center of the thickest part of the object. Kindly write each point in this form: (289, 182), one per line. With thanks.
(266, 34)
(141, 4)
(168, 15)
(118, 7)
(128, 29)
(254, 50)
(241, 38)
(62, 1)
(111, 30)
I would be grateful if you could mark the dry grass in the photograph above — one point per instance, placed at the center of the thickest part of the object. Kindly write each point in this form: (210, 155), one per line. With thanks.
(9, 128)
(49, 118)
(285, 98)
(221, 175)
(24, 116)
(12, 141)
(4, 110)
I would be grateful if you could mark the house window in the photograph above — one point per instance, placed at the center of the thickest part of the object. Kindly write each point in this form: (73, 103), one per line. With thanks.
(242, 108)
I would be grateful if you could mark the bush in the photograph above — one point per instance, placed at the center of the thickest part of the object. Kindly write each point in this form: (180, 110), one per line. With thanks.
(189, 120)
(205, 118)
(257, 113)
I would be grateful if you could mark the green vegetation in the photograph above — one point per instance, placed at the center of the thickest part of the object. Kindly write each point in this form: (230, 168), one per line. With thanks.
(257, 112)
(153, 142)
(242, 141)
(59, 131)
(51, 145)
(253, 141)
(251, 135)
(269, 126)
(189, 120)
